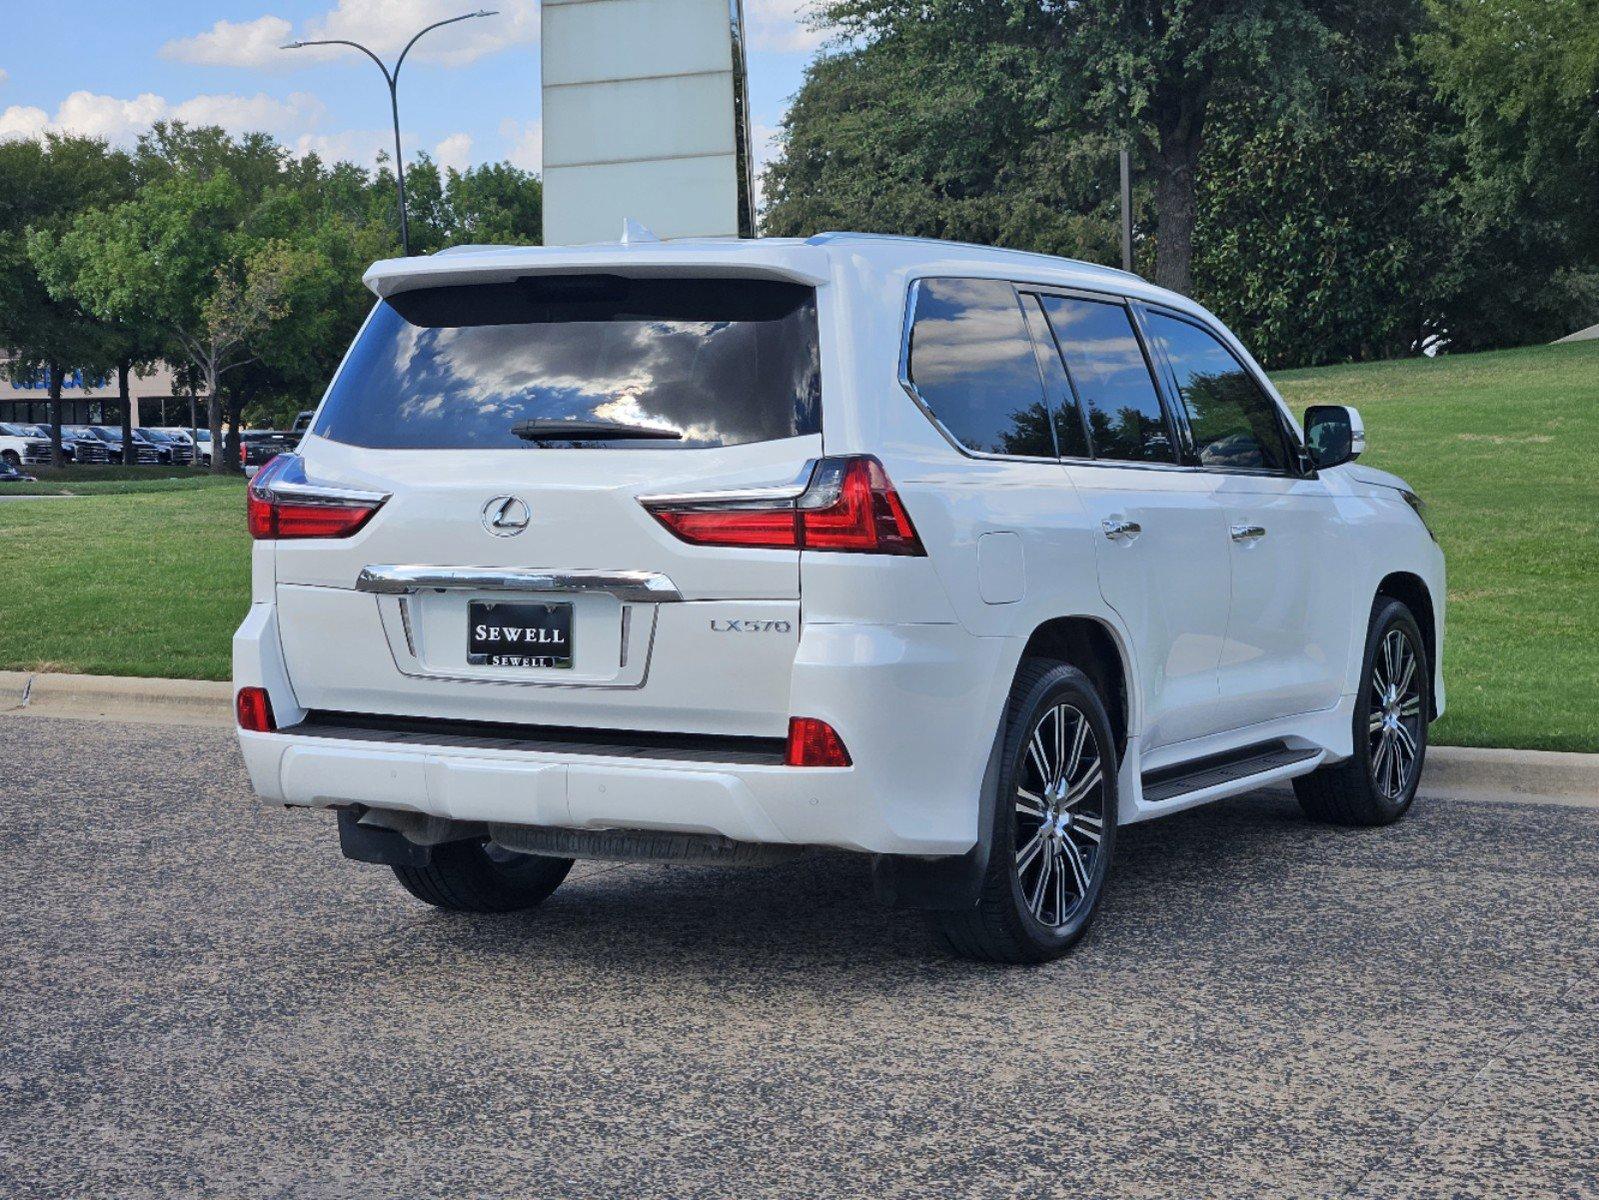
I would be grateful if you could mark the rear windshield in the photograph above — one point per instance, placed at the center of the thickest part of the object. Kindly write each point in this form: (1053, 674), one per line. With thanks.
(716, 362)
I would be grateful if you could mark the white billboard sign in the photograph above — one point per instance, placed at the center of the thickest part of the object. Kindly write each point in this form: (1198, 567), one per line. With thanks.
(644, 117)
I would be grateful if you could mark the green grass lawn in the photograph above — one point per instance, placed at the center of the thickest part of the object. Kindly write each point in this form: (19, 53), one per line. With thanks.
(152, 578)
(1502, 448)
(149, 583)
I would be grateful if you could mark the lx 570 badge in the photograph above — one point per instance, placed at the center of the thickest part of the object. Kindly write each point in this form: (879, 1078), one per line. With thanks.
(750, 626)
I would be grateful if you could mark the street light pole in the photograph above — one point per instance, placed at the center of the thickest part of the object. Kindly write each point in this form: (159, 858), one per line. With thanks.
(1127, 212)
(392, 78)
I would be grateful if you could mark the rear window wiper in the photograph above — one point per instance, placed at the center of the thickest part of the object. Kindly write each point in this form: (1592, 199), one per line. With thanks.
(561, 430)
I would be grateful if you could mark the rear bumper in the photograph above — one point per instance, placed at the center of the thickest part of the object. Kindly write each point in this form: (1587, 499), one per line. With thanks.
(917, 706)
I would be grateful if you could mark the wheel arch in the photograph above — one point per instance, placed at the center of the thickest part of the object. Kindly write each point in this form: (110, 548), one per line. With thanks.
(1412, 591)
(1095, 648)
(1092, 645)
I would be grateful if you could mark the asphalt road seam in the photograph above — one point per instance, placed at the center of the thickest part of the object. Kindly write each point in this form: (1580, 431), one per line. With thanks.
(1409, 1137)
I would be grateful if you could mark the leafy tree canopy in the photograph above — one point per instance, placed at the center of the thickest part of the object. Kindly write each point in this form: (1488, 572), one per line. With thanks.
(1339, 180)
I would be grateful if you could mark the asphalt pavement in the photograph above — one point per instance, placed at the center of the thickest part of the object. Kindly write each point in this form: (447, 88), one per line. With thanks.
(200, 998)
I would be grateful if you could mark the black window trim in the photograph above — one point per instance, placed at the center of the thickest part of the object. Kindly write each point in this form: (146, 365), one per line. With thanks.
(1175, 430)
(1167, 378)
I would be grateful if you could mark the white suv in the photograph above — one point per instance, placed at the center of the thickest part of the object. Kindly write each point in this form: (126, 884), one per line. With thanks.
(714, 550)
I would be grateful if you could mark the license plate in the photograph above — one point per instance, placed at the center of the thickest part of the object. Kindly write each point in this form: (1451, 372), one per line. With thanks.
(518, 635)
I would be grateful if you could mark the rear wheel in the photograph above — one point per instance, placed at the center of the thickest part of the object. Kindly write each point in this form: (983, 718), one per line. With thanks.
(1054, 823)
(1376, 784)
(478, 877)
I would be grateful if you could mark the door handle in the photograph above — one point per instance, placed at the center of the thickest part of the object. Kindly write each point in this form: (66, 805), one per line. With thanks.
(1119, 530)
(1248, 533)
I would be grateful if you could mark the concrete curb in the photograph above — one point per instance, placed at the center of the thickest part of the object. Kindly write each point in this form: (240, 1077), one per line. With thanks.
(1453, 772)
(1532, 776)
(116, 698)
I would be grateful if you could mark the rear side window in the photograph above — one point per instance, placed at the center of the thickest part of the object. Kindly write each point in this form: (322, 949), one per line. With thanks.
(1112, 379)
(972, 364)
(696, 362)
(1234, 423)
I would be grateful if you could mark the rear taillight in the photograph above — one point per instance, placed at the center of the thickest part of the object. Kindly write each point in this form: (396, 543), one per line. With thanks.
(848, 505)
(814, 743)
(281, 504)
(254, 708)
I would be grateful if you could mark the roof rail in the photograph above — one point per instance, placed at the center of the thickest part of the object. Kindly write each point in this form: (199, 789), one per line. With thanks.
(838, 235)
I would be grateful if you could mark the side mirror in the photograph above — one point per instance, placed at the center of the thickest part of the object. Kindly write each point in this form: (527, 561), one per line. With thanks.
(1334, 434)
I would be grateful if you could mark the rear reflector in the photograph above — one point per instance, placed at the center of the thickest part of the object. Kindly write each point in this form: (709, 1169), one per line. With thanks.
(814, 743)
(254, 708)
(849, 505)
(281, 504)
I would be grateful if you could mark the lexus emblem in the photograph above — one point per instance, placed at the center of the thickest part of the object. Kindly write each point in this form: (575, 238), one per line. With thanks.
(506, 516)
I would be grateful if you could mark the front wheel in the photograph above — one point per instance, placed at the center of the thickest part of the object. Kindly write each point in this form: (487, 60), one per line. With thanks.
(1054, 823)
(11, 458)
(1377, 783)
(478, 877)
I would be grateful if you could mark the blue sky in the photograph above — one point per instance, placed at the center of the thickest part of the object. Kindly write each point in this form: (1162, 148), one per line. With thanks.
(468, 94)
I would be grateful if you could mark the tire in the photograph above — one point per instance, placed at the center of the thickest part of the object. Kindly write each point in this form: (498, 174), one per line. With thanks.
(1377, 783)
(1026, 912)
(11, 458)
(470, 877)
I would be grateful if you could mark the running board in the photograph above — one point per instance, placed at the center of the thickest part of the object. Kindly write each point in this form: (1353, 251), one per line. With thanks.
(1172, 783)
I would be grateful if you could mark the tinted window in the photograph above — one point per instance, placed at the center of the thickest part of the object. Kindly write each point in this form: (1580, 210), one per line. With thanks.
(1235, 424)
(721, 362)
(972, 363)
(1070, 436)
(1112, 379)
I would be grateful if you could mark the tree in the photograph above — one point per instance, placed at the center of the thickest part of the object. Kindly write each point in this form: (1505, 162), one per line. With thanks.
(1335, 239)
(495, 203)
(1524, 75)
(48, 183)
(1148, 71)
(125, 345)
(934, 132)
(1157, 67)
(177, 258)
(237, 262)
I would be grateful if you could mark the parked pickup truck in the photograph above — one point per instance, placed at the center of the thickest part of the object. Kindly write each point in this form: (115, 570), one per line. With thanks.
(257, 447)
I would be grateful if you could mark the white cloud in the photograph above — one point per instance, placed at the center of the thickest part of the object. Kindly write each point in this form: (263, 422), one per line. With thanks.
(526, 139)
(238, 113)
(121, 121)
(780, 26)
(454, 152)
(383, 25)
(23, 121)
(350, 145)
(235, 44)
(4, 75)
(297, 121)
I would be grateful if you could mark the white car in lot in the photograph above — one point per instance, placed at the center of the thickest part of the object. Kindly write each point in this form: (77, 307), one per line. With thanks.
(22, 443)
(712, 551)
